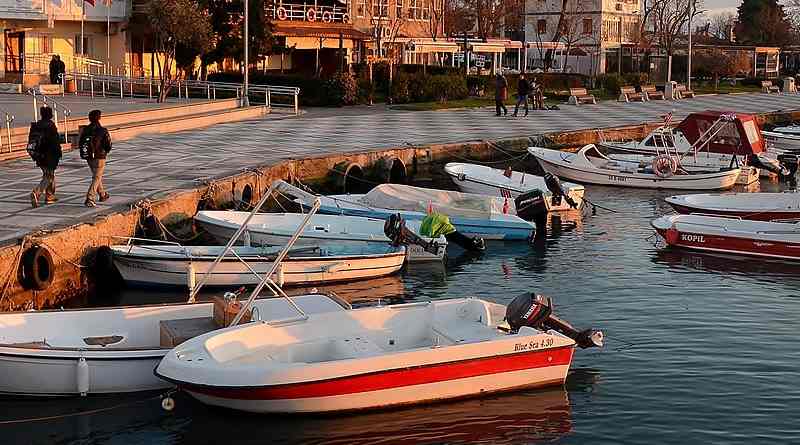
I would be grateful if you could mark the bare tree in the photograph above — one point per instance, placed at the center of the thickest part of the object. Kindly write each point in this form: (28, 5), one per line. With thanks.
(721, 25)
(572, 31)
(720, 63)
(436, 18)
(669, 18)
(460, 18)
(488, 17)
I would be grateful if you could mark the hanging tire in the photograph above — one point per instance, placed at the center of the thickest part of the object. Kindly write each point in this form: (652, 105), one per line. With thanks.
(104, 262)
(37, 268)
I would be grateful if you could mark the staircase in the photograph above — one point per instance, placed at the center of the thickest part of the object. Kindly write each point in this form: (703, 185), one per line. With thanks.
(127, 125)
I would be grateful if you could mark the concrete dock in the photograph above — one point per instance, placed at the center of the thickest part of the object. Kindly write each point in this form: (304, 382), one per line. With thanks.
(173, 170)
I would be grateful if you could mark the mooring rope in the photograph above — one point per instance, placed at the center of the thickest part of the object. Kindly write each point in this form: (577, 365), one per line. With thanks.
(14, 267)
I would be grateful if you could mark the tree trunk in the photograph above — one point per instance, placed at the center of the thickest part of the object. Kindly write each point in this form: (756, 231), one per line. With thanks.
(669, 67)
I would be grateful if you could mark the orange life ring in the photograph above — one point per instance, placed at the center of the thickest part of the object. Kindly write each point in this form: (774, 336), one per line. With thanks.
(346, 17)
(281, 13)
(671, 236)
(327, 17)
(311, 15)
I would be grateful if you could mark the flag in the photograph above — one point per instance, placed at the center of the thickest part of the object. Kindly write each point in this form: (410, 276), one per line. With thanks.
(667, 117)
(505, 193)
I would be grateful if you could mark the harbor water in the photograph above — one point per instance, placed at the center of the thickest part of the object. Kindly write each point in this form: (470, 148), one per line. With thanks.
(700, 349)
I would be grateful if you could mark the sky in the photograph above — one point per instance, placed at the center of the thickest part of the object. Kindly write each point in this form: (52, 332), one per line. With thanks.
(716, 6)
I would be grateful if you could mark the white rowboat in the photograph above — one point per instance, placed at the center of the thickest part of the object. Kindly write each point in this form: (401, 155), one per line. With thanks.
(590, 166)
(483, 180)
(755, 206)
(107, 350)
(172, 265)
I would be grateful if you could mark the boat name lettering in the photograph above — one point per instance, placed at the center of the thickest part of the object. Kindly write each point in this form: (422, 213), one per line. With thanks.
(533, 345)
(617, 178)
(693, 238)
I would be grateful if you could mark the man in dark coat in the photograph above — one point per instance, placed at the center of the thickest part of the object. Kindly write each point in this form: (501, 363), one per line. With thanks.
(54, 67)
(50, 148)
(523, 89)
(500, 93)
(99, 146)
(62, 69)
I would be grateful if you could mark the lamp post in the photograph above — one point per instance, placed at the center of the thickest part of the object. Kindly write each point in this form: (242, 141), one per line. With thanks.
(689, 62)
(245, 93)
(619, 35)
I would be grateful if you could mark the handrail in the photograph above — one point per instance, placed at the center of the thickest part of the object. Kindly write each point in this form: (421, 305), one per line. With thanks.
(65, 111)
(9, 118)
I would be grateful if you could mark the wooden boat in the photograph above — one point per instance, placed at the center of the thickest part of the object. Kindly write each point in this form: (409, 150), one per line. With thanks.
(270, 229)
(107, 350)
(175, 265)
(729, 235)
(472, 215)
(377, 357)
(590, 166)
(483, 180)
(754, 206)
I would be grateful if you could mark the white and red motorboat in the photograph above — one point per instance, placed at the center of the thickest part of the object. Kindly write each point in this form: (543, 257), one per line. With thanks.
(754, 206)
(380, 356)
(731, 235)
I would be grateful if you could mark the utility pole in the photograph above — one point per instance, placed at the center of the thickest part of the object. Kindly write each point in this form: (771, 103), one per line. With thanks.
(619, 34)
(245, 92)
(689, 62)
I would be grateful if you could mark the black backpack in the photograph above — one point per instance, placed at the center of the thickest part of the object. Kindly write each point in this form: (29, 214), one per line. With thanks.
(35, 138)
(85, 144)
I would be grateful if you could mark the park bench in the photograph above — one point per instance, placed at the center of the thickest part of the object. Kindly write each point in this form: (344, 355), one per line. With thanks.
(579, 96)
(628, 93)
(650, 93)
(683, 92)
(767, 87)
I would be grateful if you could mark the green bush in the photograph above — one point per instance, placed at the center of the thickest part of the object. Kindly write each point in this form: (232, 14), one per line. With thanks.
(448, 87)
(610, 82)
(400, 91)
(366, 91)
(636, 79)
(342, 89)
(478, 84)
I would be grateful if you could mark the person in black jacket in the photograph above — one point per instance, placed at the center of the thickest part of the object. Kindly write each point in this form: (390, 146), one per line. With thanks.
(54, 69)
(99, 146)
(523, 89)
(50, 148)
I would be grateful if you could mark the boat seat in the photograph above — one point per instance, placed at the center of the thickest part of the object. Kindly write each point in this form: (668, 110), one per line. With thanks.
(465, 332)
(355, 347)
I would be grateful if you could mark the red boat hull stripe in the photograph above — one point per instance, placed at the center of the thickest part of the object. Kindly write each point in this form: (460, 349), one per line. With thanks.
(396, 378)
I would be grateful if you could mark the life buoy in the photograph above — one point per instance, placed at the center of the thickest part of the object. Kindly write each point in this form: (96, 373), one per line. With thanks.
(281, 13)
(311, 15)
(37, 268)
(664, 166)
(327, 17)
(671, 236)
(346, 17)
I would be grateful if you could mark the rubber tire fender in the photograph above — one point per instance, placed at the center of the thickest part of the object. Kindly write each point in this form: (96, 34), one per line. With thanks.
(37, 268)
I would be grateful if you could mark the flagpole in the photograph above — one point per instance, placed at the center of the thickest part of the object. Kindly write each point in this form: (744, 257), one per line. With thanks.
(246, 97)
(108, 35)
(83, 15)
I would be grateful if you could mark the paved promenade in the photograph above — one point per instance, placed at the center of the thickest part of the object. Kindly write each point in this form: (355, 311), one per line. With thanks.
(140, 167)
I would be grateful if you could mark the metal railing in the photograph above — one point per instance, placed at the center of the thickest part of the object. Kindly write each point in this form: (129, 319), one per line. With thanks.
(55, 105)
(309, 12)
(9, 118)
(106, 85)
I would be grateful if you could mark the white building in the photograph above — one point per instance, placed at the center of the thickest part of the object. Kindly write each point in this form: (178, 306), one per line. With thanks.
(594, 30)
(34, 30)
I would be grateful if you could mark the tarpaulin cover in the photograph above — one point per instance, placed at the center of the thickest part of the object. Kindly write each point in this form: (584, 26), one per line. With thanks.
(741, 136)
(406, 197)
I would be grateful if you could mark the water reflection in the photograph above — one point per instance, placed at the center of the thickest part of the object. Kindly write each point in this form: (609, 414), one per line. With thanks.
(758, 269)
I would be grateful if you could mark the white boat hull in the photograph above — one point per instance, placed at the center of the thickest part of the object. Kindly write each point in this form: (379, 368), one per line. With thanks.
(231, 272)
(585, 172)
(41, 351)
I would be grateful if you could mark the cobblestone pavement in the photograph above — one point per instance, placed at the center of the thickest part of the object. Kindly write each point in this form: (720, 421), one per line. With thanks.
(140, 167)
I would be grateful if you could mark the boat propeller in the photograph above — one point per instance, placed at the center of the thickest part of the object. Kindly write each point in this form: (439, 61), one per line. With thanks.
(536, 311)
(397, 232)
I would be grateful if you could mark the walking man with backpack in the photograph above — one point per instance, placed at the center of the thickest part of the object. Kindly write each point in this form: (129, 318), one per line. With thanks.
(44, 147)
(523, 90)
(94, 145)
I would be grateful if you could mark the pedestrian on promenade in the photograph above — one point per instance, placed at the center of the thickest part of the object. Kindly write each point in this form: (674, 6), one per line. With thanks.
(62, 69)
(47, 145)
(523, 89)
(54, 67)
(94, 144)
(500, 93)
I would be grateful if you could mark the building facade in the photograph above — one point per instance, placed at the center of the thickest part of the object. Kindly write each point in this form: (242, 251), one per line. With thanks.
(593, 34)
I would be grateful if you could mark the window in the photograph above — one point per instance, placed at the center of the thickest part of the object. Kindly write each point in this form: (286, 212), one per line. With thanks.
(361, 8)
(399, 9)
(86, 47)
(380, 8)
(426, 12)
(413, 12)
(541, 26)
(587, 27)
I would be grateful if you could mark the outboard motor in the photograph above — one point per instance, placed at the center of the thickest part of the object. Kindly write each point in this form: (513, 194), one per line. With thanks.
(768, 164)
(395, 229)
(790, 163)
(536, 311)
(531, 207)
(554, 185)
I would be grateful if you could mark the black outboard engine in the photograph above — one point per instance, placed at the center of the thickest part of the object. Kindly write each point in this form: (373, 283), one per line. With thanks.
(790, 162)
(769, 165)
(397, 232)
(554, 185)
(536, 311)
(531, 207)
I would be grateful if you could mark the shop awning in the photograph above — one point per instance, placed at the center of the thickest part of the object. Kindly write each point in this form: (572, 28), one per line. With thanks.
(482, 47)
(327, 31)
(434, 47)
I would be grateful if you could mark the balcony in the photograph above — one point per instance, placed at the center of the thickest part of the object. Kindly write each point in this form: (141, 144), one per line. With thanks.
(62, 10)
(309, 12)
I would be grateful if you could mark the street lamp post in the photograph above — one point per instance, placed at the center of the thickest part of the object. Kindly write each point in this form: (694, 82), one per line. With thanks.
(619, 35)
(245, 93)
(689, 62)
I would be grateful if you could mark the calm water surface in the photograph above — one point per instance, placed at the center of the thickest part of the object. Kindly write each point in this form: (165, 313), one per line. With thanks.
(700, 349)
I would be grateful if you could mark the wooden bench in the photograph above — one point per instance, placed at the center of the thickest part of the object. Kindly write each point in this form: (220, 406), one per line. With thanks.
(767, 87)
(683, 92)
(628, 93)
(650, 93)
(579, 96)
